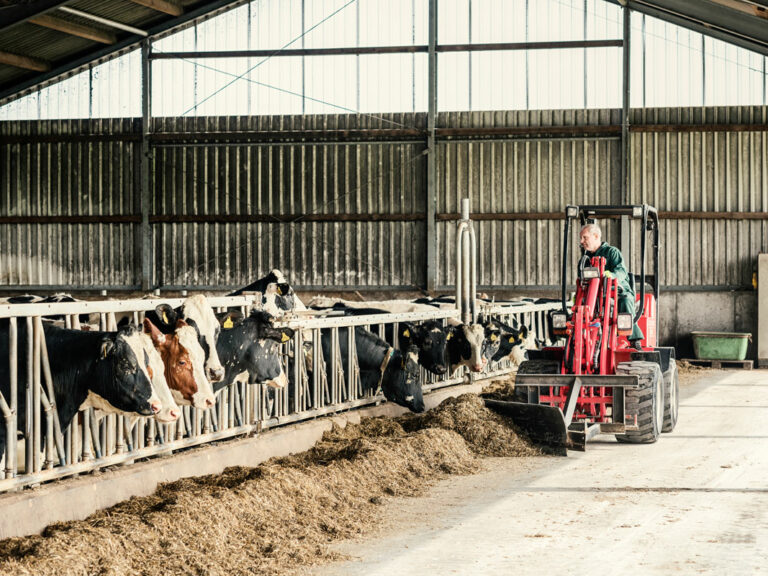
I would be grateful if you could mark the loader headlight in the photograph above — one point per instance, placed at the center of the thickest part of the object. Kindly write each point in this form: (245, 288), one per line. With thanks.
(637, 211)
(559, 321)
(571, 211)
(624, 322)
(589, 273)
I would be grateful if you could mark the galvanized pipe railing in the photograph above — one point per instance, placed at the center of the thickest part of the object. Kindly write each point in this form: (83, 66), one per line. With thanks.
(466, 267)
(241, 409)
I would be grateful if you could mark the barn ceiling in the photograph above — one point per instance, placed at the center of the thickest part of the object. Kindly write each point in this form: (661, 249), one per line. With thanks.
(41, 40)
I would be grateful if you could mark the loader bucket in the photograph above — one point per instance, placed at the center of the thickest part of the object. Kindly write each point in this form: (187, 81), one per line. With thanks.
(544, 425)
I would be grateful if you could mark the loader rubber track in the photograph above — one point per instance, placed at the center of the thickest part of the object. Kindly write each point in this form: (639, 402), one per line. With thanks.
(646, 402)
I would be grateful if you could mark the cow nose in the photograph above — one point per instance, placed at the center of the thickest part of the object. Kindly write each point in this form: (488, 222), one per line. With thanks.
(174, 414)
(478, 368)
(209, 402)
(440, 369)
(155, 407)
(215, 374)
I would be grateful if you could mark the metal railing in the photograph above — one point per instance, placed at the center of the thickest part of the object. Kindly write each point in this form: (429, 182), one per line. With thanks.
(90, 442)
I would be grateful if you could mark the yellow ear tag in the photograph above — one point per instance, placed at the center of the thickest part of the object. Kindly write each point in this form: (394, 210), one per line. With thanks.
(280, 292)
(165, 318)
(228, 323)
(449, 336)
(285, 337)
(511, 339)
(407, 333)
(493, 338)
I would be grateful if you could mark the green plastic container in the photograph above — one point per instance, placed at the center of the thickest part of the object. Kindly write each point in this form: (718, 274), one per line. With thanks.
(720, 345)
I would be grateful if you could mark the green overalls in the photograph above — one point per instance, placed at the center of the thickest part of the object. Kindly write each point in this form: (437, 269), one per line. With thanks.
(614, 263)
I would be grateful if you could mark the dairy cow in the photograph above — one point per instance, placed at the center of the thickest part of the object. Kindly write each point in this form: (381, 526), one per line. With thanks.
(277, 296)
(103, 369)
(198, 314)
(395, 371)
(249, 349)
(182, 361)
(428, 337)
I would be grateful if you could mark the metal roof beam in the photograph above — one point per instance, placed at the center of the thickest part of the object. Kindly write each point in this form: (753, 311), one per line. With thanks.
(745, 7)
(105, 21)
(161, 6)
(709, 19)
(61, 25)
(21, 11)
(26, 62)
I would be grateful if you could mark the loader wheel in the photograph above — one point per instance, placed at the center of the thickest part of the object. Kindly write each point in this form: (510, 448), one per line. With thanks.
(646, 402)
(671, 399)
(520, 393)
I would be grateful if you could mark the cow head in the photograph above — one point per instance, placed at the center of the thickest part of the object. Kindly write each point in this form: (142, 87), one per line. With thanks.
(514, 344)
(278, 296)
(183, 364)
(129, 389)
(400, 379)
(430, 340)
(465, 346)
(196, 312)
(492, 334)
(170, 411)
(262, 339)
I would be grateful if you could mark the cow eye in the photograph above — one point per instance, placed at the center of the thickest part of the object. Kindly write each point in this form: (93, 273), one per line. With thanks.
(427, 342)
(182, 363)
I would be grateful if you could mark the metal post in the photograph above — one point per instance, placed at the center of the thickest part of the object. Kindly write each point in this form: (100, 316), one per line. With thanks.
(431, 203)
(466, 266)
(625, 192)
(36, 440)
(144, 239)
(30, 386)
(13, 351)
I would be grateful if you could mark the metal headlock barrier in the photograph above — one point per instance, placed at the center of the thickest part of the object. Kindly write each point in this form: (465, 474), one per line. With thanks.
(94, 440)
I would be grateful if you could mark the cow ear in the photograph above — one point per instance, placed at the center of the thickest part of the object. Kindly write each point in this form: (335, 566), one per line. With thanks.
(231, 319)
(157, 336)
(107, 347)
(287, 334)
(524, 332)
(166, 314)
(407, 331)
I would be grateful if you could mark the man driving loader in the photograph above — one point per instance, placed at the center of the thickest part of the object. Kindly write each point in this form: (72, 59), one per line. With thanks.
(591, 240)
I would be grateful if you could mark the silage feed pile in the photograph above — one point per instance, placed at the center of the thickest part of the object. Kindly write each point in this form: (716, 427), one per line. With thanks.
(279, 516)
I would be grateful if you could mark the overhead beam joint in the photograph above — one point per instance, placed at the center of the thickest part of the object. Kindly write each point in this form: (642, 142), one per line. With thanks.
(161, 6)
(74, 29)
(26, 62)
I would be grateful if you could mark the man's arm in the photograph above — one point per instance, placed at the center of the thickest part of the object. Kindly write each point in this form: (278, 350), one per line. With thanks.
(614, 262)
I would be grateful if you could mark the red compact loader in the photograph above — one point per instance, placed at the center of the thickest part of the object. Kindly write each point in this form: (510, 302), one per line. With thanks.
(597, 383)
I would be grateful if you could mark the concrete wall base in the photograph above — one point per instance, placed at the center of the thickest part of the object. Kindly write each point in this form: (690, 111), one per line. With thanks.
(30, 511)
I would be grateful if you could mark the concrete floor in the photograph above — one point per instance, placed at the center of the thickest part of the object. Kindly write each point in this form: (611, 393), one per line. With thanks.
(696, 502)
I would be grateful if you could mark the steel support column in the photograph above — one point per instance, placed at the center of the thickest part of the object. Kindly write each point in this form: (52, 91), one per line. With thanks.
(431, 203)
(625, 91)
(144, 233)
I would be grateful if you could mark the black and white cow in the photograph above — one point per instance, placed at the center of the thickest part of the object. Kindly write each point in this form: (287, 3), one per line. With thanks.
(249, 349)
(197, 312)
(428, 337)
(277, 295)
(101, 369)
(515, 341)
(395, 371)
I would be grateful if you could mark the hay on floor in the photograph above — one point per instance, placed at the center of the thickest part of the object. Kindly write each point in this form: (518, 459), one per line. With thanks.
(277, 517)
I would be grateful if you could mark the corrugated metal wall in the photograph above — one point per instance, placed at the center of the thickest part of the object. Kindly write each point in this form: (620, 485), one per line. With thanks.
(59, 178)
(293, 181)
(704, 172)
(522, 176)
(213, 203)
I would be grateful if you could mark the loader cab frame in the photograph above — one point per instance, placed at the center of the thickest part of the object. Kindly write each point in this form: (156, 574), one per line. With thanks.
(649, 223)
